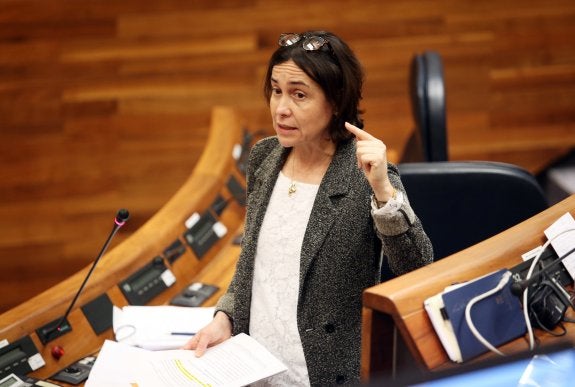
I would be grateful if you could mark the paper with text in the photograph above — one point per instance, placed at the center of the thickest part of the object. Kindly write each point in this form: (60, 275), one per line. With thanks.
(239, 361)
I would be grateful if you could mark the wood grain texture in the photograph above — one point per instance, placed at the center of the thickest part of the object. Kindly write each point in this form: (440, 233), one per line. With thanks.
(215, 267)
(106, 105)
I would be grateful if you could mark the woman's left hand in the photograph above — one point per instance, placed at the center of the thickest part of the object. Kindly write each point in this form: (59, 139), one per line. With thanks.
(372, 159)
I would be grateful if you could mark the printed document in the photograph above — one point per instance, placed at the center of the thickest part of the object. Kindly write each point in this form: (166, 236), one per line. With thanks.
(238, 361)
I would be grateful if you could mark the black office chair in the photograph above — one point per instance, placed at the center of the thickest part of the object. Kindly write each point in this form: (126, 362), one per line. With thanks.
(428, 141)
(463, 203)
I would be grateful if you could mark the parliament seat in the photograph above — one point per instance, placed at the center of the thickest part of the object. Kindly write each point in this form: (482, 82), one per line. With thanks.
(428, 141)
(463, 203)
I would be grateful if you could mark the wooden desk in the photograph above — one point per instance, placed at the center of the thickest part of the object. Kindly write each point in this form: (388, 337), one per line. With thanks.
(393, 312)
(207, 184)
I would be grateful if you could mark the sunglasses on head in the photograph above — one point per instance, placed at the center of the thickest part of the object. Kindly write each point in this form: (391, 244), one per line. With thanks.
(309, 42)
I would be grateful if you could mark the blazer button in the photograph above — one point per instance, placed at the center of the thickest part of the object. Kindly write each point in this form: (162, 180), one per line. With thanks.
(340, 379)
(329, 328)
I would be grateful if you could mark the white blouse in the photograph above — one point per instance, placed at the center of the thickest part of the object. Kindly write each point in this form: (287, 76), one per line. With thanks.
(273, 315)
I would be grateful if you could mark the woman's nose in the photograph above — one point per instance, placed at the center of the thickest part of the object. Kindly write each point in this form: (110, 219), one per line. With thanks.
(283, 108)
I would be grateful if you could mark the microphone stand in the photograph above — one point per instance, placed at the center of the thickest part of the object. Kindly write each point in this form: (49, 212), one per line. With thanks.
(57, 328)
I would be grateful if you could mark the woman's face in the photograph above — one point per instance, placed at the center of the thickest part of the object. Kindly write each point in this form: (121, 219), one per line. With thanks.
(299, 108)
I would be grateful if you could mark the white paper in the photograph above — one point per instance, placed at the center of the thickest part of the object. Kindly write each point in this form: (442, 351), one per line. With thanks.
(443, 328)
(159, 327)
(116, 365)
(565, 242)
(239, 361)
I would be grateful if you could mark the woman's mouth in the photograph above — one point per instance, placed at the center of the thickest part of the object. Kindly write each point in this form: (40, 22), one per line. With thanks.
(285, 127)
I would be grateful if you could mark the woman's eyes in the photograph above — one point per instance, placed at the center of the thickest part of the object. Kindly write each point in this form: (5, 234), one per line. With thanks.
(296, 94)
(299, 95)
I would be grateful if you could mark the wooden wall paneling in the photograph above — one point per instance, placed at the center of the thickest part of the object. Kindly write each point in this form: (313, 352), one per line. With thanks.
(105, 105)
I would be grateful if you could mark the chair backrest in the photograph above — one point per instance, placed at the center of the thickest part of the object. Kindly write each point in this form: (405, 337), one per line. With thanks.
(463, 203)
(427, 94)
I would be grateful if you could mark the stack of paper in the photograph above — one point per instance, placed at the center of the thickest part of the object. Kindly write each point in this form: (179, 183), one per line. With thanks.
(159, 327)
(238, 361)
(498, 318)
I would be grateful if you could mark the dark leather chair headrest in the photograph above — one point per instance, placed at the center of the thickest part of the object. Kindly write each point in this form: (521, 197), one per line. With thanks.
(463, 203)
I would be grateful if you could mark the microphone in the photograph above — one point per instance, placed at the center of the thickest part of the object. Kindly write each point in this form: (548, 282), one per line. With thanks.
(61, 326)
(518, 287)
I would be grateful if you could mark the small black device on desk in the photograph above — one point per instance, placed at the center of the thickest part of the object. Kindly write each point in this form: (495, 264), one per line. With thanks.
(194, 295)
(75, 373)
(20, 357)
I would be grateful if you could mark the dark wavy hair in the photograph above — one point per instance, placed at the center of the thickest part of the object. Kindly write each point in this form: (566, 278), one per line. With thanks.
(335, 68)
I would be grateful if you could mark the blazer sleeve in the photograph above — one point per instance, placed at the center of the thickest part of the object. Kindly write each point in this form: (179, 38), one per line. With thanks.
(404, 242)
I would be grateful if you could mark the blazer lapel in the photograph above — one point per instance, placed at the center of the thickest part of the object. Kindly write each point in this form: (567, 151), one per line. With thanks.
(264, 181)
(325, 210)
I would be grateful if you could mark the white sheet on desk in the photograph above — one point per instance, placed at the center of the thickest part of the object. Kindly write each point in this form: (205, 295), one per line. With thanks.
(563, 243)
(151, 327)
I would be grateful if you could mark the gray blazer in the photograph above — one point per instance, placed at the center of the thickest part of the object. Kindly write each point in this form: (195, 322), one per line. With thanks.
(340, 257)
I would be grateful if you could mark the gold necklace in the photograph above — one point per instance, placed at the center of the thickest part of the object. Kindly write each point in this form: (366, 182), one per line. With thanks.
(292, 188)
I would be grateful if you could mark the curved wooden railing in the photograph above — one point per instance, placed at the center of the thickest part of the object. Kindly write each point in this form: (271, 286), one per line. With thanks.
(207, 185)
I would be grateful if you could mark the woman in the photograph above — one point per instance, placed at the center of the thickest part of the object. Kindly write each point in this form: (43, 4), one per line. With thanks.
(322, 204)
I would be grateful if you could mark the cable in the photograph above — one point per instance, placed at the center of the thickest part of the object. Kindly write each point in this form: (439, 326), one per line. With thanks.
(502, 282)
(526, 291)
